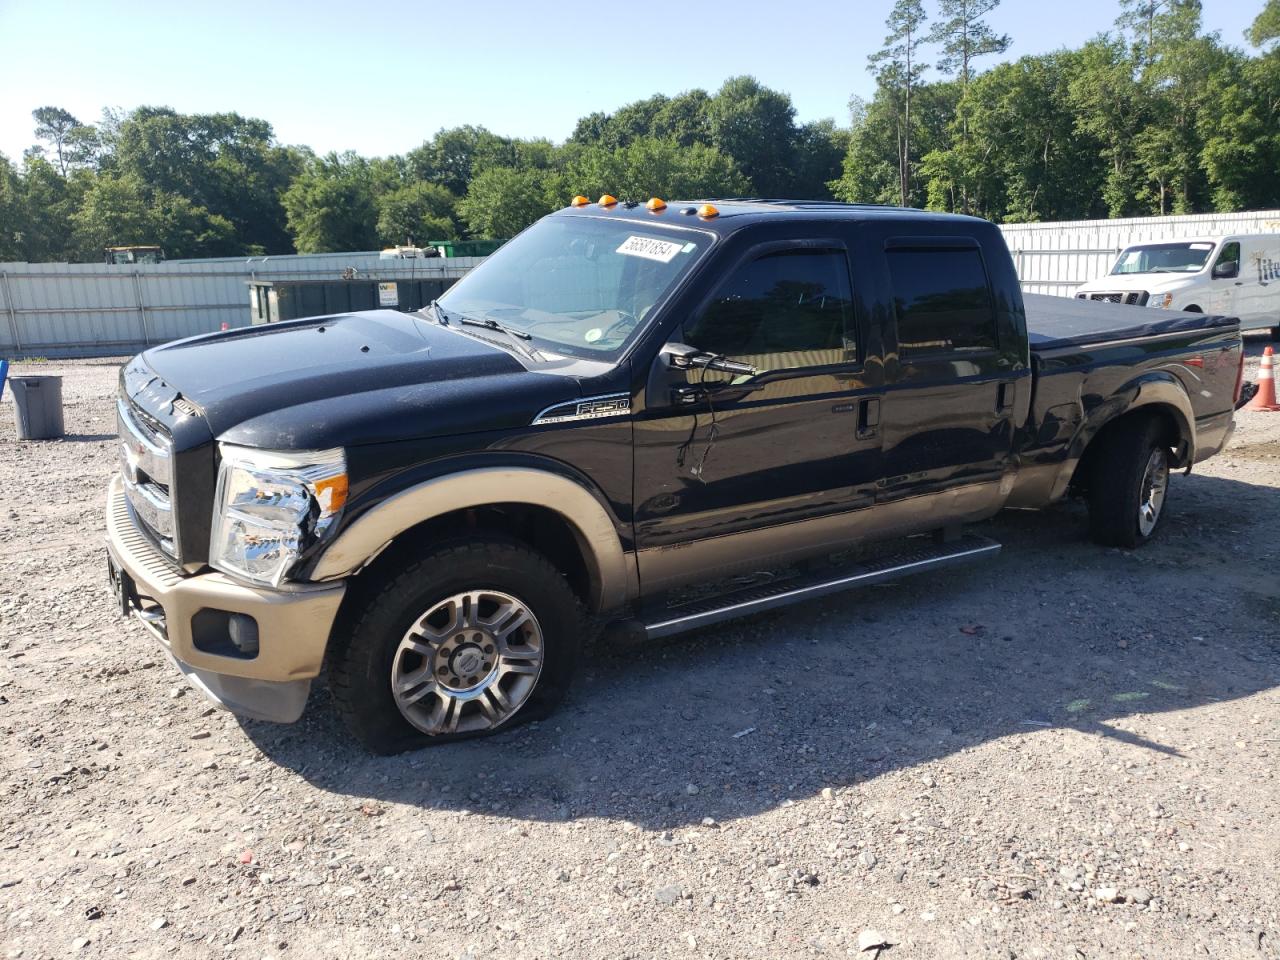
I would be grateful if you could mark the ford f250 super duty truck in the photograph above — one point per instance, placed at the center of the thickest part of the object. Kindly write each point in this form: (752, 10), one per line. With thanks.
(646, 417)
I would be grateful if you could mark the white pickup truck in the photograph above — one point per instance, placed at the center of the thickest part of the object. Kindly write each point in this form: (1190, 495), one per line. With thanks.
(1234, 275)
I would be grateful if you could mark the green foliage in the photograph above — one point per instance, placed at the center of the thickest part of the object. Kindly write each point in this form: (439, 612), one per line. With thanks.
(1266, 26)
(416, 213)
(502, 201)
(964, 36)
(649, 167)
(330, 205)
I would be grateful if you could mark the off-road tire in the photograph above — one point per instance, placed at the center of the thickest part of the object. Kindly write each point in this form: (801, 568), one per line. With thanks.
(1116, 483)
(362, 650)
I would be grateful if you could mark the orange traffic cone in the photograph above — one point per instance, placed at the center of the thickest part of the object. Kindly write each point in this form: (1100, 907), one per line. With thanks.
(1265, 398)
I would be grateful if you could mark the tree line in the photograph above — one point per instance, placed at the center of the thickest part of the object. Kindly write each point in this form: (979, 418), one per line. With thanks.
(1154, 116)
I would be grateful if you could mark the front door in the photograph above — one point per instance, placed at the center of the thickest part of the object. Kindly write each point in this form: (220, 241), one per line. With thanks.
(728, 465)
(1225, 292)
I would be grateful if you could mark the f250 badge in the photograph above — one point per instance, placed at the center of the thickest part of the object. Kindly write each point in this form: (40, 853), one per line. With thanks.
(595, 408)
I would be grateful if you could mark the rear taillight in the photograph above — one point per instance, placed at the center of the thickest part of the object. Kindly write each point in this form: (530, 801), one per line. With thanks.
(1235, 400)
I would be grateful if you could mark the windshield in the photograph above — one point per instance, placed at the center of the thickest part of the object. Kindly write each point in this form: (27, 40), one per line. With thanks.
(1164, 258)
(579, 285)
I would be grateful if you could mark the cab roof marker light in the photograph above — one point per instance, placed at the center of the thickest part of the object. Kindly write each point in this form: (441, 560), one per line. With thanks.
(707, 211)
(656, 204)
(579, 201)
(607, 200)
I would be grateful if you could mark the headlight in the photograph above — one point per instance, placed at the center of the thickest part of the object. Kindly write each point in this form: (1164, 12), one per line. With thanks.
(271, 507)
(1160, 301)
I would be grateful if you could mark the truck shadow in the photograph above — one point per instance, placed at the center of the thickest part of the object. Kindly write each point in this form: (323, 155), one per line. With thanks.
(1055, 634)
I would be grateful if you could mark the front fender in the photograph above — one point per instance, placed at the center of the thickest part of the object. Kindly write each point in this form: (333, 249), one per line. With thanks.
(479, 487)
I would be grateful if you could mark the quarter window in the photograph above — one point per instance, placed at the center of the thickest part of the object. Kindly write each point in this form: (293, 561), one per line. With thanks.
(783, 310)
(942, 300)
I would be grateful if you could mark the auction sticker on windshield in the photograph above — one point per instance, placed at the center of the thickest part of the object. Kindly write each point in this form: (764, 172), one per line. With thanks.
(661, 250)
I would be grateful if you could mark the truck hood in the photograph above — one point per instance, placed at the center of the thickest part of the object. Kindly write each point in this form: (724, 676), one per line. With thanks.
(371, 377)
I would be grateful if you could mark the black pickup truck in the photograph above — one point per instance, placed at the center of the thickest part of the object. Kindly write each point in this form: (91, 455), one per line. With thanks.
(646, 417)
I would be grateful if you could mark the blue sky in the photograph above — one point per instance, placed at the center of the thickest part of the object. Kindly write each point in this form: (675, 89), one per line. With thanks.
(381, 77)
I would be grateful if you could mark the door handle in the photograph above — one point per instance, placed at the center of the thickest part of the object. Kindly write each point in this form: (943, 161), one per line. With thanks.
(1005, 394)
(868, 418)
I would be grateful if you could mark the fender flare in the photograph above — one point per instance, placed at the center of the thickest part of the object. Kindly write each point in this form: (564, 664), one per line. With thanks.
(576, 505)
(1155, 388)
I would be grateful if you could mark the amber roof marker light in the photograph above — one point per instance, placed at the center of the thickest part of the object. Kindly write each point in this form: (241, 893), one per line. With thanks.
(608, 201)
(579, 201)
(707, 211)
(656, 204)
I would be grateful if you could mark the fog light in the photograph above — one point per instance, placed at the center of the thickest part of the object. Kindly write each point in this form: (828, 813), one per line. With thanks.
(244, 633)
(225, 634)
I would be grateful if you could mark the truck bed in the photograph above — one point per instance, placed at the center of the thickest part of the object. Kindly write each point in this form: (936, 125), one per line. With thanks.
(1056, 322)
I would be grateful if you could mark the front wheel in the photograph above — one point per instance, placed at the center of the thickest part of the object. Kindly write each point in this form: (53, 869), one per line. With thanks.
(1129, 485)
(473, 637)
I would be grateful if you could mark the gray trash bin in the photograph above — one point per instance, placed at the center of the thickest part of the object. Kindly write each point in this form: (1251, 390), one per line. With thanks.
(37, 402)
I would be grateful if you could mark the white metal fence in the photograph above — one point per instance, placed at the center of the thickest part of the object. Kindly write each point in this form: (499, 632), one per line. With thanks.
(1056, 258)
(86, 309)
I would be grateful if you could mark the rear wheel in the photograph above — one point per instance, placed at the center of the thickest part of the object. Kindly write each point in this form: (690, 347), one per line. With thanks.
(1129, 484)
(1275, 334)
(471, 638)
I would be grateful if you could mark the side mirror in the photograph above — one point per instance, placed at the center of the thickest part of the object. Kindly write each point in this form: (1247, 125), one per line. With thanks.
(681, 356)
(1226, 270)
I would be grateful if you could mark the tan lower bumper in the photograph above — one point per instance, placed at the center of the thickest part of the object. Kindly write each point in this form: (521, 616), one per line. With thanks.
(293, 622)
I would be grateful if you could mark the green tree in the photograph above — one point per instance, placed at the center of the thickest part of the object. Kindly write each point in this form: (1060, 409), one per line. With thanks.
(898, 68)
(330, 205)
(755, 126)
(1266, 26)
(416, 213)
(1241, 151)
(650, 167)
(502, 201)
(965, 36)
(12, 213)
(1109, 107)
(224, 162)
(72, 142)
(453, 156)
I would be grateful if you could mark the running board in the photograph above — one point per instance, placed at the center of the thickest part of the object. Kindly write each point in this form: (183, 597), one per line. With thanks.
(932, 556)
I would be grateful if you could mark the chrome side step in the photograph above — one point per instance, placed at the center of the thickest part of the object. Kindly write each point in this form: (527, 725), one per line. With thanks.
(930, 556)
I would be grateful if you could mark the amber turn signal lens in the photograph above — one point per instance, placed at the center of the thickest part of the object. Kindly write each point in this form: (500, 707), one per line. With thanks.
(579, 201)
(656, 204)
(708, 211)
(608, 201)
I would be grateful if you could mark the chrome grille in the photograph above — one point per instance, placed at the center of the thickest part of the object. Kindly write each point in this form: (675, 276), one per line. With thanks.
(1133, 297)
(146, 465)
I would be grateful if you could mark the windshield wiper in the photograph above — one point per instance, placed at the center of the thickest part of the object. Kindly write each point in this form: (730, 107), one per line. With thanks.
(441, 317)
(492, 324)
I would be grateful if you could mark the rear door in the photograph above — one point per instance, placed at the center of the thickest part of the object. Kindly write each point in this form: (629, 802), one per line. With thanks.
(719, 457)
(951, 396)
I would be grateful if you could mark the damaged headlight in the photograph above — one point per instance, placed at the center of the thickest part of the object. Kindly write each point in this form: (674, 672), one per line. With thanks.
(272, 506)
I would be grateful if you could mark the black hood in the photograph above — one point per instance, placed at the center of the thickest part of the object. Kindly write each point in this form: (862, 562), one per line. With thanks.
(357, 378)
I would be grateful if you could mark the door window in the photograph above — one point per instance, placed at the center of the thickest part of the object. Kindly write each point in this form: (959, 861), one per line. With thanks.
(943, 301)
(1230, 254)
(783, 310)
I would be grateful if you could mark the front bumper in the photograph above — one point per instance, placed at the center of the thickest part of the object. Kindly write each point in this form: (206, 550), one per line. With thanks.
(293, 623)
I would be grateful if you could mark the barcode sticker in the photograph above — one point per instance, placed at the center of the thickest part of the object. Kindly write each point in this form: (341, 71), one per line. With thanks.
(661, 250)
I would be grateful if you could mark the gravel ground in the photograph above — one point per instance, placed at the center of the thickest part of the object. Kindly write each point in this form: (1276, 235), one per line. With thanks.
(1066, 752)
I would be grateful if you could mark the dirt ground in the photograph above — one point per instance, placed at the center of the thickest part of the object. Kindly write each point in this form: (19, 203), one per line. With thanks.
(1067, 752)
